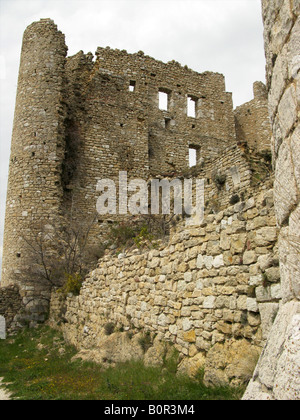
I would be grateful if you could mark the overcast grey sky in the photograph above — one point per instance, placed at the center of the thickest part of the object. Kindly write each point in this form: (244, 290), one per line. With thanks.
(225, 36)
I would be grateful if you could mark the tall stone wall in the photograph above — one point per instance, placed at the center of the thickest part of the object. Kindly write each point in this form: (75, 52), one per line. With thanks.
(277, 373)
(172, 131)
(34, 193)
(213, 289)
(252, 123)
(10, 306)
(80, 120)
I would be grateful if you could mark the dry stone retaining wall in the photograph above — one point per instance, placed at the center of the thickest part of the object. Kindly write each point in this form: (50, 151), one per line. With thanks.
(217, 284)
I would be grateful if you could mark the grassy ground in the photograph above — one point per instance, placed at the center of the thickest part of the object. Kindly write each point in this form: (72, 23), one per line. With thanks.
(37, 365)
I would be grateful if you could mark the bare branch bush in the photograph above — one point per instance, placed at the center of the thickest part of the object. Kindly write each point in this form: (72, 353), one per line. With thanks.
(60, 250)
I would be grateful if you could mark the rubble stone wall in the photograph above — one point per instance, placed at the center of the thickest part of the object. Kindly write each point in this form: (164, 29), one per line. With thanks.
(34, 192)
(252, 121)
(213, 285)
(10, 306)
(80, 120)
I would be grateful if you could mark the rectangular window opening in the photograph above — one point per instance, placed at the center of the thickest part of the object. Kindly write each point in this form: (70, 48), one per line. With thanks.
(191, 106)
(194, 156)
(132, 86)
(163, 99)
(167, 123)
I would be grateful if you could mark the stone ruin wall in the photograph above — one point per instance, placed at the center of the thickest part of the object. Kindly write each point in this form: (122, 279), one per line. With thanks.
(213, 292)
(34, 195)
(252, 121)
(277, 373)
(171, 131)
(10, 307)
(126, 131)
(76, 121)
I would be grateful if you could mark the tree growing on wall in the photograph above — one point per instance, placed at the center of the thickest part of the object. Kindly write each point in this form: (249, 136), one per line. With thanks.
(61, 252)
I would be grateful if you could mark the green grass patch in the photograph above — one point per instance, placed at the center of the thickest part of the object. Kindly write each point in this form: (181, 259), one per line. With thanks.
(36, 365)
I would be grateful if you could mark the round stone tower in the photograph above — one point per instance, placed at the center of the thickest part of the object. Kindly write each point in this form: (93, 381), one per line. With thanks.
(37, 151)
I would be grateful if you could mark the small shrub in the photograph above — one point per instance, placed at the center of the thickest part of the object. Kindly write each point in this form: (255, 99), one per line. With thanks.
(72, 284)
(121, 234)
(143, 235)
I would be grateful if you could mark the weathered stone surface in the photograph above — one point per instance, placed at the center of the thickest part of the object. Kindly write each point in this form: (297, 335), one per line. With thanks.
(287, 378)
(209, 302)
(268, 312)
(200, 300)
(118, 348)
(190, 336)
(277, 373)
(155, 355)
(285, 187)
(280, 359)
(2, 328)
(249, 257)
(232, 362)
(191, 366)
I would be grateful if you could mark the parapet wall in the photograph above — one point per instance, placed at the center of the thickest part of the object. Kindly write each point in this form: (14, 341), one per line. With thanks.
(213, 285)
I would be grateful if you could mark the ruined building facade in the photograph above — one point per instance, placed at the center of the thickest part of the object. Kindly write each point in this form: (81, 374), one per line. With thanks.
(220, 292)
(78, 120)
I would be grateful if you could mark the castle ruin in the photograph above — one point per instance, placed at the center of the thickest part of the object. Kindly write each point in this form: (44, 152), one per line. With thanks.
(211, 289)
(78, 121)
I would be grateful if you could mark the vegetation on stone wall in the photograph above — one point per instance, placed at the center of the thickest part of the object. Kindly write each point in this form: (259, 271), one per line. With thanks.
(61, 254)
(143, 232)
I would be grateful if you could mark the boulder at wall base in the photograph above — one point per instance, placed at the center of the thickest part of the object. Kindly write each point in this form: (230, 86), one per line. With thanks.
(120, 347)
(158, 353)
(115, 348)
(191, 365)
(232, 362)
